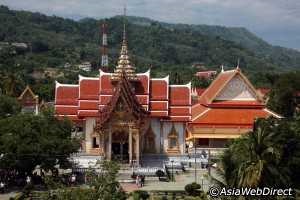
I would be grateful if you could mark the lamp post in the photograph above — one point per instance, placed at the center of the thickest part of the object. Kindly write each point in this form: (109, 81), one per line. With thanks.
(172, 161)
(202, 180)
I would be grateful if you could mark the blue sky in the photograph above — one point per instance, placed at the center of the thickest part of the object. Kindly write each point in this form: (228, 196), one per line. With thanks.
(276, 21)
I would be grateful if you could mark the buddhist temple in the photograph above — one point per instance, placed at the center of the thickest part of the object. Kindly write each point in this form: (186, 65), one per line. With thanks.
(125, 114)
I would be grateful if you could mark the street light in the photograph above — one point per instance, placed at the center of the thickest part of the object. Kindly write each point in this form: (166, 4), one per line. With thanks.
(202, 179)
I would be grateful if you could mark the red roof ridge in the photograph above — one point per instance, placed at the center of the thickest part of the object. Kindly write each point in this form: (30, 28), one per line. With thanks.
(201, 114)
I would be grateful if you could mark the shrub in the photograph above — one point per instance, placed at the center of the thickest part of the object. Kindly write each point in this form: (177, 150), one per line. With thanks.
(140, 195)
(160, 174)
(192, 189)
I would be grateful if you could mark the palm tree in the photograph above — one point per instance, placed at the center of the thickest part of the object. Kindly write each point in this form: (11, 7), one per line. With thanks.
(255, 160)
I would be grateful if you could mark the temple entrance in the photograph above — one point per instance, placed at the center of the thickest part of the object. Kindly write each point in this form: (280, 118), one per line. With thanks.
(120, 146)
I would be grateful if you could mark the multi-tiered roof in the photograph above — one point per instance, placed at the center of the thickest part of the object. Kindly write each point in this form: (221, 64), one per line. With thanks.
(96, 96)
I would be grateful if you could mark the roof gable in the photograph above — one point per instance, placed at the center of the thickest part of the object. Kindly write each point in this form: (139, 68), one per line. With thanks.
(224, 86)
(28, 93)
(123, 100)
(236, 89)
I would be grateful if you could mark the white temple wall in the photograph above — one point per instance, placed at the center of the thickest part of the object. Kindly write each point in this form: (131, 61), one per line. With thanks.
(155, 124)
(89, 129)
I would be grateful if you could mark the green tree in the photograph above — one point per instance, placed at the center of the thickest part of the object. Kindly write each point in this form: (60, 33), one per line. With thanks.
(27, 141)
(268, 156)
(8, 106)
(283, 94)
(105, 184)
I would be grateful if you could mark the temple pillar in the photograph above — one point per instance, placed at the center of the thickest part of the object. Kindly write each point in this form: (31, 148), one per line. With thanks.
(137, 148)
(121, 150)
(130, 145)
(161, 139)
(109, 143)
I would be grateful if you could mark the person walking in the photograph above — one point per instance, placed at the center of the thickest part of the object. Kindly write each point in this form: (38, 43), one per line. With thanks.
(2, 187)
(137, 180)
(143, 181)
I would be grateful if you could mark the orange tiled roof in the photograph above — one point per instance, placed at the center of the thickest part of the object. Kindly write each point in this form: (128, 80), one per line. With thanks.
(229, 116)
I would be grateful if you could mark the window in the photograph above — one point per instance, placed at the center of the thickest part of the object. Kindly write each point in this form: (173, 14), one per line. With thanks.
(149, 141)
(173, 139)
(95, 145)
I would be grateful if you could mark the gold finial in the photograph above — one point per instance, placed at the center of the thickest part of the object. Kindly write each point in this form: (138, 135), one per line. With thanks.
(124, 24)
(124, 66)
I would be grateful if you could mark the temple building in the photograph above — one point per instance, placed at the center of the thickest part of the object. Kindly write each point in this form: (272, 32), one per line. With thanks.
(29, 101)
(225, 110)
(125, 114)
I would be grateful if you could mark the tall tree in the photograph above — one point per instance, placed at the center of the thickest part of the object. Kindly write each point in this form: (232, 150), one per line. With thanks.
(268, 156)
(28, 140)
(105, 184)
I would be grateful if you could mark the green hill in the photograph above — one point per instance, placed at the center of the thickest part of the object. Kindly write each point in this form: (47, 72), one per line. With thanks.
(283, 57)
(169, 48)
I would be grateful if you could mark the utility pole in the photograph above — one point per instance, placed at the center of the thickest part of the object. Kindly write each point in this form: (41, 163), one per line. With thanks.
(104, 48)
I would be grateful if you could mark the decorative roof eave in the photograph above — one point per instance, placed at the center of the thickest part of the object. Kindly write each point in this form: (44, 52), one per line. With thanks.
(188, 85)
(57, 85)
(147, 73)
(87, 78)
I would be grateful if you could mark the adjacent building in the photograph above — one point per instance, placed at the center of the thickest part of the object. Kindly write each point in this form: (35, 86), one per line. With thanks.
(226, 110)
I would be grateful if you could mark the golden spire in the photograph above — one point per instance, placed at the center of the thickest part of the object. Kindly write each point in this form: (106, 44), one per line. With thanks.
(124, 65)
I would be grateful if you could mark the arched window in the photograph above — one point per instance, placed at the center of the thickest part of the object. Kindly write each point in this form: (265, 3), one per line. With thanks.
(149, 141)
(173, 139)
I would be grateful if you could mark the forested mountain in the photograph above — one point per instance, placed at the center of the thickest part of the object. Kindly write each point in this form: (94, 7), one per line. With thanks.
(51, 42)
(281, 56)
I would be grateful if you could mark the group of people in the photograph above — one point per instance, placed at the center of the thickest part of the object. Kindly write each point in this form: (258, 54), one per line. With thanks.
(140, 180)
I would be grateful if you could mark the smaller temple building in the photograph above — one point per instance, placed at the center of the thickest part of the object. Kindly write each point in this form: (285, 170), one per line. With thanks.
(29, 101)
(225, 110)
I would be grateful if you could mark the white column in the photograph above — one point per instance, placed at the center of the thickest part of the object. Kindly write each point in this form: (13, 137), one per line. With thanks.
(161, 139)
(130, 144)
(137, 151)
(109, 142)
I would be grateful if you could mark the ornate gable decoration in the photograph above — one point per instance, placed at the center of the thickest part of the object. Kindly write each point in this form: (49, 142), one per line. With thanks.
(236, 89)
(124, 104)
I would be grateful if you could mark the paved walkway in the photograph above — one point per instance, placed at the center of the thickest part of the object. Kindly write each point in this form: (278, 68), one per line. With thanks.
(181, 181)
(7, 196)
